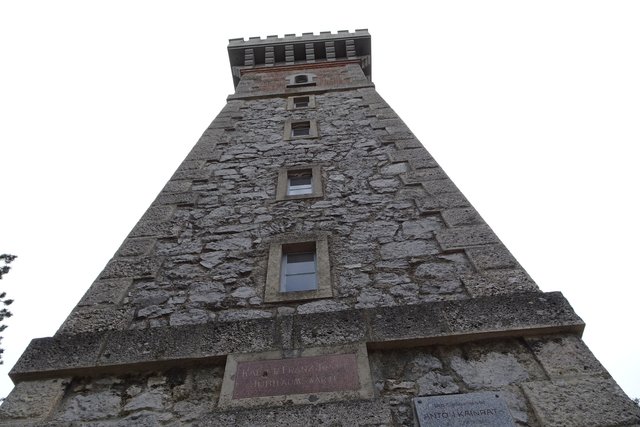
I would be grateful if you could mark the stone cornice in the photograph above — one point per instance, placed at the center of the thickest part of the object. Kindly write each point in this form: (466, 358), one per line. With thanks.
(444, 322)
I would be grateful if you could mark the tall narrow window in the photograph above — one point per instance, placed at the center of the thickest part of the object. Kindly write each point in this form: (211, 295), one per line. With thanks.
(300, 129)
(298, 271)
(299, 182)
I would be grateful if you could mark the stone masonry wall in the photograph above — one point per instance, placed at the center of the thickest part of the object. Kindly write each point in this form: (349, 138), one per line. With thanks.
(545, 381)
(399, 230)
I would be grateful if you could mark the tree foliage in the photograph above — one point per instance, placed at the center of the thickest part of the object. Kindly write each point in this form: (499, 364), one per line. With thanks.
(5, 259)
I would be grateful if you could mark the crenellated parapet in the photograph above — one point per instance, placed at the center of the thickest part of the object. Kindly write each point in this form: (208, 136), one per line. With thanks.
(308, 48)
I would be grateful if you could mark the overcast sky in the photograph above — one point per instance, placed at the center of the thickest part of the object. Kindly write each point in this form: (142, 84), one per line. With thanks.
(532, 108)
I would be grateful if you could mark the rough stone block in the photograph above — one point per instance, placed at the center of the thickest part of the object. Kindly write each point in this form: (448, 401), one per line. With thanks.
(491, 257)
(394, 169)
(490, 371)
(135, 268)
(494, 282)
(157, 213)
(321, 306)
(589, 401)
(452, 200)
(564, 355)
(376, 230)
(191, 174)
(423, 175)
(422, 228)
(87, 319)
(434, 383)
(154, 229)
(409, 154)
(176, 199)
(409, 248)
(135, 247)
(32, 400)
(178, 248)
(461, 216)
(181, 186)
(110, 291)
(404, 144)
(406, 323)
(461, 237)
(515, 312)
(440, 186)
(374, 298)
(329, 328)
(58, 353)
(187, 342)
(350, 413)
(422, 162)
(94, 406)
(236, 315)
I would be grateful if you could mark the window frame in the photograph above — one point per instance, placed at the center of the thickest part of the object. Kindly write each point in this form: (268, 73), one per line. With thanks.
(273, 292)
(290, 123)
(300, 188)
(283, 183)
(300, 129)
(291, 104)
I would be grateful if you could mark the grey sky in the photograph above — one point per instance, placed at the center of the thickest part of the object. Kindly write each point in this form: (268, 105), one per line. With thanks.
(530, 107)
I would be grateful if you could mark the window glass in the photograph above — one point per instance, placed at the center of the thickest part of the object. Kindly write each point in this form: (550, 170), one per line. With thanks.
(298, 272)
(299, 182)
(301, 102)
(300, 129)
(301, 78)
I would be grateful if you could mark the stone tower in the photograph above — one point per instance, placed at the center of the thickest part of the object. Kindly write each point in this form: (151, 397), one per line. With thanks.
(309, 263)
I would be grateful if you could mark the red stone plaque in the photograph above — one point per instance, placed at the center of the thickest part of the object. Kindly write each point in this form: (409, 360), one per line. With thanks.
(338, 372)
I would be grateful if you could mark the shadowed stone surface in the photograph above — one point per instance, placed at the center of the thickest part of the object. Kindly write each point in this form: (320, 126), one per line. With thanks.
(581, 402)
(33, 399)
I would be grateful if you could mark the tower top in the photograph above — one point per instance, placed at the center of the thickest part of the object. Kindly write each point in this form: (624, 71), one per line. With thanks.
(257, 52)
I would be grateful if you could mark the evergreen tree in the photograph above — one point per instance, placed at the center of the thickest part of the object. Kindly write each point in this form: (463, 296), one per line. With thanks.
(6, 259)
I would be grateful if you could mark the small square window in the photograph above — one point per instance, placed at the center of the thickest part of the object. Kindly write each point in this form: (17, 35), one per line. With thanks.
(301, 102)
(299, 183)
(298, 271)
(300, 129)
